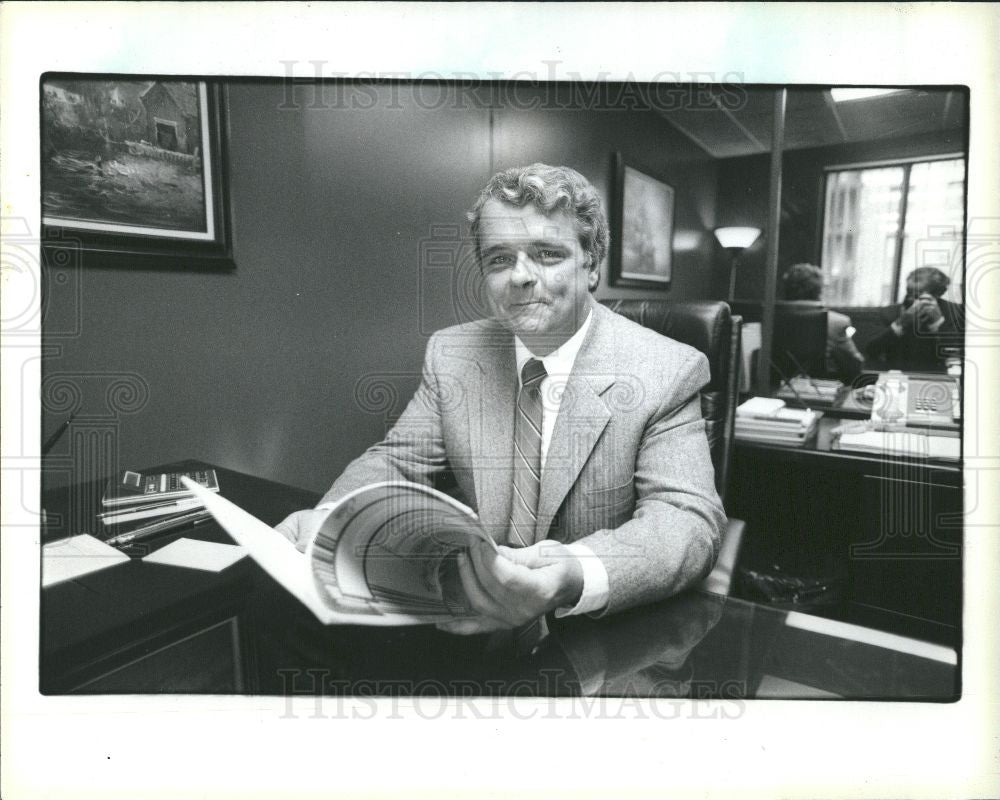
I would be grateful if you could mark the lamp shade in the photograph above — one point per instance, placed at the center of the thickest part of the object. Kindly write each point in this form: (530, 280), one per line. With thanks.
(848, 94)
(739, 237)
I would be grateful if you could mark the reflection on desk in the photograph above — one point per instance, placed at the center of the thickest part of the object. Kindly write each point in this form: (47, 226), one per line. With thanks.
(146, 627)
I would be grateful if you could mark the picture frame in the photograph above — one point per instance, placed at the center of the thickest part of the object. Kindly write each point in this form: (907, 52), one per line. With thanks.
(642, 228)
(134, 173)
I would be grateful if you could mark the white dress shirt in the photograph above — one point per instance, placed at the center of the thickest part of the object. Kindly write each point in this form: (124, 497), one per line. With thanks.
(558, 366)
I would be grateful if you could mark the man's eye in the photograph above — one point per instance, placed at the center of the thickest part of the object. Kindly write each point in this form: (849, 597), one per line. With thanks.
(550, 255)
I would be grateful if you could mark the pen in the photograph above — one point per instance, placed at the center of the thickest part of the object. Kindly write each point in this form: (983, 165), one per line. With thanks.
(163, 526)
(152, 510)
(55, 437)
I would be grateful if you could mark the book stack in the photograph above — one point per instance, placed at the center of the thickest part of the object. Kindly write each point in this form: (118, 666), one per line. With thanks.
(139, 505)
(806, 390)
(769, 421)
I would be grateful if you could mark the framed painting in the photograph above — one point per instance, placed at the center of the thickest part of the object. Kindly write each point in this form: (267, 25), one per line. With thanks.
(133, 172)
(643, 229)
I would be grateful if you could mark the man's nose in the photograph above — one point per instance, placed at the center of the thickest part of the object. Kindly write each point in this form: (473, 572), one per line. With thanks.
(523, 273)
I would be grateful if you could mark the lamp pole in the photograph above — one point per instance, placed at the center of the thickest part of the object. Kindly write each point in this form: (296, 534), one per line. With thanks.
(734, 254)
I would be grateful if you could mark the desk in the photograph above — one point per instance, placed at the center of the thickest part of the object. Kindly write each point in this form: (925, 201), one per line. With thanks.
(141, 627)
(889, 529)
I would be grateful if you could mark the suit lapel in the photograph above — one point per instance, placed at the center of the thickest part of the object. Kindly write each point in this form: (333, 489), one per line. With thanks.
(583, 415)
(491, 431)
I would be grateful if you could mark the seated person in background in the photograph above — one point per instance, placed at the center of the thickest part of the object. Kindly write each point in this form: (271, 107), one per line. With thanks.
(843, 360)
(921, 331)
(575, 434)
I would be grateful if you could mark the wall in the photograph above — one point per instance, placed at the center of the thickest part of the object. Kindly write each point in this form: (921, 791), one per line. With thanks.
(585, 139)
(291, 365)
(743, 199)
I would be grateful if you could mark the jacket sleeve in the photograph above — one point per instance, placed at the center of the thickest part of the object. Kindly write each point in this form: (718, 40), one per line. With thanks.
(672, 540)
(846, 357)
(885, 344)
(413, 450)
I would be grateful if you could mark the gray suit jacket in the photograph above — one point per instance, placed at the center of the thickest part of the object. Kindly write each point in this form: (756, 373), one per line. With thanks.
(627, 473)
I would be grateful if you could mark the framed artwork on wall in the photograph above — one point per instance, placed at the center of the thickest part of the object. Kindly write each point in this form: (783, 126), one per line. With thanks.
(642, 229)
(133, 172)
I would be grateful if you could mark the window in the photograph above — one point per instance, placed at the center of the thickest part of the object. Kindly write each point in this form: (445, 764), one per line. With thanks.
(882, 222)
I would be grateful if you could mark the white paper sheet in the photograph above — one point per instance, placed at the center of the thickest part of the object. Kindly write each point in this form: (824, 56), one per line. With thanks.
(195, 554)
(273, 552)
(77, 556)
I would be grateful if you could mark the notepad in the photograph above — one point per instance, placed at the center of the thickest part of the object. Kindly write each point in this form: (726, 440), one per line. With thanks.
(75, 557)
(195, 554)
(902, 443)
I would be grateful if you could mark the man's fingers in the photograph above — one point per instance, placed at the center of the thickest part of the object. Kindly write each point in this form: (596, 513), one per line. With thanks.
(525, 556)
(540, 554)
(468, 627)
(299, 526)
(479, 597)
(503, 579)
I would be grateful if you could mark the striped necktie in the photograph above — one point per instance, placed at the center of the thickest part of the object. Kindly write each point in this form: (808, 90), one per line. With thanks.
(527, 456)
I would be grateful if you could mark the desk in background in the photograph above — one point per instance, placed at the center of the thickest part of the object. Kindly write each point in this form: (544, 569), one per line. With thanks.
(888, 530)
(146, 628)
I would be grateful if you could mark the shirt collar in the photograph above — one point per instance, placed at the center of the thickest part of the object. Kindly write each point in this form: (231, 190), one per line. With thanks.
(559, 361)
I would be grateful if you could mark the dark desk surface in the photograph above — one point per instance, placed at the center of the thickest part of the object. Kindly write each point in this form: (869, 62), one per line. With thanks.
(693, 645)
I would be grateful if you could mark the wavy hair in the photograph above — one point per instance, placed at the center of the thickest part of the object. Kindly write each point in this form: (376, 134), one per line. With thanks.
(930, 279)
(803, 282)
(549, 188)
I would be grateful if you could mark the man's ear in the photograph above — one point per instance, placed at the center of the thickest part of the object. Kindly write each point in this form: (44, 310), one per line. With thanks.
(593, 275)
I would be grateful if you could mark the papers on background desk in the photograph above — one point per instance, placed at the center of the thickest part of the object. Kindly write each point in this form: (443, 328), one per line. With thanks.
(75, 557)
(195, 554)
(902, 443)
(766, 420)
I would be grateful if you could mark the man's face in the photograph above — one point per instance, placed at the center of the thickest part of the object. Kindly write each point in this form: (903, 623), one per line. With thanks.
(537, 276)
(913, 290)
(917, 288)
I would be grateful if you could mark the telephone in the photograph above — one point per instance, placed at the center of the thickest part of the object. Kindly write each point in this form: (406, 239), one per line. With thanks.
(900, 400)
(890, 405)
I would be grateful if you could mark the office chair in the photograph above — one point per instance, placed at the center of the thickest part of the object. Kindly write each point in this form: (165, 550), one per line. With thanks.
(711, 328)
(799, 343)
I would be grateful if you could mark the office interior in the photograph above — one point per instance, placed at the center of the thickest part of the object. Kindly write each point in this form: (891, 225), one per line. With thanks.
(289, 365)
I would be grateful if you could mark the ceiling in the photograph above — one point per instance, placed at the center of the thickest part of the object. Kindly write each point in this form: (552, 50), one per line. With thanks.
(736, 121)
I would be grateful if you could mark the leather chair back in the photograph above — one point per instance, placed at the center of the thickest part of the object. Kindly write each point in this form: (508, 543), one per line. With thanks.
(710, 327)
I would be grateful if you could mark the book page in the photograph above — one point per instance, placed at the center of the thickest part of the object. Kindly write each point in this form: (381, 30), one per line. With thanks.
(389, 548)
(75, 557)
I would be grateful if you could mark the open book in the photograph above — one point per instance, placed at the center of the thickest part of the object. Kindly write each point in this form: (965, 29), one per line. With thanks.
(384, 555)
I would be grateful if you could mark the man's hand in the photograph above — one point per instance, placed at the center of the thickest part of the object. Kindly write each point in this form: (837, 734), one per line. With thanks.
(928, 312)
(299, 526)
(922, 314)
(516, 585)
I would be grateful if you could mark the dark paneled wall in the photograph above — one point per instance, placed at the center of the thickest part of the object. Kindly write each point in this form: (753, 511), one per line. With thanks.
(293, 364)
(743, 200)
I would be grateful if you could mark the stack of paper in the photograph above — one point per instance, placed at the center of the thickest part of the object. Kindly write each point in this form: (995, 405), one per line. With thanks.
(810, 390)
(135, 499)
(902, 443)
(768, 420)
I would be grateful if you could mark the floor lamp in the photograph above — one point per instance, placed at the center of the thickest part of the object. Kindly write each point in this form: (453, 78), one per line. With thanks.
(735, 240)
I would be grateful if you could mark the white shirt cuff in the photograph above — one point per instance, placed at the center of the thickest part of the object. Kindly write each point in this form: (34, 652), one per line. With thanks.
(325, 506)
(595, 592)
(896, 327)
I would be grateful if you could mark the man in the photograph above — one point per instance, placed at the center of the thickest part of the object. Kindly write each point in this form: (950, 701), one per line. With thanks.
(923, 330)
(843, 361)
(576, 434)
